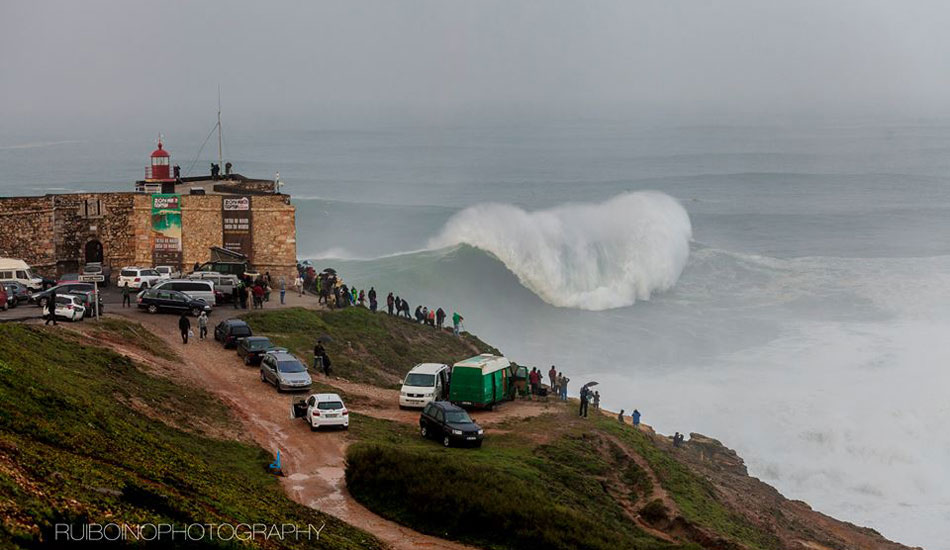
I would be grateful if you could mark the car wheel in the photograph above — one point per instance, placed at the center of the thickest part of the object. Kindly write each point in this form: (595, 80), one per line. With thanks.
(478, 445)
(247, 360)
(446, 442)
(424, 431)
(152, 308)
(312, 427)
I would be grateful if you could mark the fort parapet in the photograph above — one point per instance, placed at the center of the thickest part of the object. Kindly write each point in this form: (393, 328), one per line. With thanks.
(58, 233)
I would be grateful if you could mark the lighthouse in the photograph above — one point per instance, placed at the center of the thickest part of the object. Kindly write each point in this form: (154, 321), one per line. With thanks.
(158, 177)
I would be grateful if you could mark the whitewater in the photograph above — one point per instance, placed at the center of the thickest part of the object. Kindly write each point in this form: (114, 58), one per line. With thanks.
(783, 288)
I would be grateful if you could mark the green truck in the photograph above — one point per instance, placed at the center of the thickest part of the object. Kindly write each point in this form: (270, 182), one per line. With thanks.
(481, 381)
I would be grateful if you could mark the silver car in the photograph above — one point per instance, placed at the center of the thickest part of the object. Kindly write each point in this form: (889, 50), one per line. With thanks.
(284, 371)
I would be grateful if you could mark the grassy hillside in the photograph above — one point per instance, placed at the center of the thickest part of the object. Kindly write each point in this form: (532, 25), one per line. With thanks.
(553, 481)
(81, 441)
(366, 347)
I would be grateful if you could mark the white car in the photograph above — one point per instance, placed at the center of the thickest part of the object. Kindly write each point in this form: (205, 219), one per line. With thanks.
(425, 382)
(138, 277)
(167, 272)
(326, 409)
(70, 307)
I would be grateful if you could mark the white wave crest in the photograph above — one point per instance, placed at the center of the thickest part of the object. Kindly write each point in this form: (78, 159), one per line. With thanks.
(586, 256)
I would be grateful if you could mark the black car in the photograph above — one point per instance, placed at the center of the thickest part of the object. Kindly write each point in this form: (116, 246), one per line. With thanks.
(252, 348)
(85, 289)
(155, 300)
(449, 424)
(230, 330)
(17, 293)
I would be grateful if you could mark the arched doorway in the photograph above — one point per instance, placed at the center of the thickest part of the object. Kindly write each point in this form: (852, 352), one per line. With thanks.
(93, 251)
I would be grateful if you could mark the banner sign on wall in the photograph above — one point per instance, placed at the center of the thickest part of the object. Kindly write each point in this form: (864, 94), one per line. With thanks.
(166, 230)
(236, 224)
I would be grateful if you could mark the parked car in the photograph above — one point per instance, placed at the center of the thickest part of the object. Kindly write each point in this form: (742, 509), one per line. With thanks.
(230, 330)
(12, 269)
(322, 409)
(449, 424)
(40, 298)
(238, 269)
(253, 348)
(88, 296)
(4, 299)
(154, 300)
(224, 284)
(138, 277)
(425, 382)
(69, 307)
(168, 272)
(284, 371)
(17, 293)
(197, 289)
(95, 272)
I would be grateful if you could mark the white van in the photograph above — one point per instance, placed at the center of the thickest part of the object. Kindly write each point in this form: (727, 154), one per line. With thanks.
(197, 289)
(17, 270)
(425, 382)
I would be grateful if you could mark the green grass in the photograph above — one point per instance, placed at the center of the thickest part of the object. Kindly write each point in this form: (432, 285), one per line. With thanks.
(512, 493)
(373, 348)
(113, 328)
(73, 450)
(694, 494)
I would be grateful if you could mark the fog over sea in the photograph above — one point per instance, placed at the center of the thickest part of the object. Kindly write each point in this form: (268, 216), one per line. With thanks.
(782, 288)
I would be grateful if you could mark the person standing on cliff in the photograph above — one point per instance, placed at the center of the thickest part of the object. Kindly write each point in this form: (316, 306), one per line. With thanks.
(390, 302)
(457, 322)
(585, 393)
(564, 381)
(372, 299)
(439, 317)
(596, 400)
(51, 307)
(126, 295)
(552, 376)
(184, 325)
(620, 417)
(636, 418)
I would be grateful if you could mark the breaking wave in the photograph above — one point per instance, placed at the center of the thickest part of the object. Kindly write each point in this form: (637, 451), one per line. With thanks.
(587, 256)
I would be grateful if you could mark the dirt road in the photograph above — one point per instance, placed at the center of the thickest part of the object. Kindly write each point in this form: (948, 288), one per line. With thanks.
(313, 462)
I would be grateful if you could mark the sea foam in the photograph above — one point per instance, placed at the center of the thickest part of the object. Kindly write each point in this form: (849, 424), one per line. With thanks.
(591, 256)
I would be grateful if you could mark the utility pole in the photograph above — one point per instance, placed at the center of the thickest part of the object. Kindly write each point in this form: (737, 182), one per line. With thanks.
(220, 153)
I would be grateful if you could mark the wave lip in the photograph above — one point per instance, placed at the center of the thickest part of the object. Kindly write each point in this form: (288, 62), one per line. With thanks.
(592, 256)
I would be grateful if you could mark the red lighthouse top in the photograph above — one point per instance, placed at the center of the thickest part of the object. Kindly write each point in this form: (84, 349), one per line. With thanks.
(159, 169)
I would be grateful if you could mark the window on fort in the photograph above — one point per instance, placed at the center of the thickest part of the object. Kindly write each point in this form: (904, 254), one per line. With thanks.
(92, 208)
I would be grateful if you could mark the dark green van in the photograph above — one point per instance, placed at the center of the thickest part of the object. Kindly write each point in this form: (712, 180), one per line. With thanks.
(481, 381)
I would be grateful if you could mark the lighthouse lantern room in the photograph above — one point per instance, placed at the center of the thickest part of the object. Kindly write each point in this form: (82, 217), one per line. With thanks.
(158, 177)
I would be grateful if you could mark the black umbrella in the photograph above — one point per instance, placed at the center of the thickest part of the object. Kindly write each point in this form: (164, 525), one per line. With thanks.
(589, 384)
(325, 339)
(330, 270)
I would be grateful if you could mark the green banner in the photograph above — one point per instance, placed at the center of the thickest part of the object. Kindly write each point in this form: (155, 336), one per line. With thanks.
(166, 230)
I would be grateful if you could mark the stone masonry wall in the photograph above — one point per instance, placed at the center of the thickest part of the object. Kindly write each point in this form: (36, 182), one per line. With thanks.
(26, 231)
(50, 233)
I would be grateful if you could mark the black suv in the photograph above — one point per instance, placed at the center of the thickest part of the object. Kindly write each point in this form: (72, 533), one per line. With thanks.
(154, 300)
(230, 330)
(253, 348)
(449, 424)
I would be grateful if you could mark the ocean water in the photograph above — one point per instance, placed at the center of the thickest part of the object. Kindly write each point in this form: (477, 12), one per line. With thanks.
(783, 288)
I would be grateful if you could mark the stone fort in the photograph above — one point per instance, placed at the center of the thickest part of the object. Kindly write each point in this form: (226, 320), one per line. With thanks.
(166, 220)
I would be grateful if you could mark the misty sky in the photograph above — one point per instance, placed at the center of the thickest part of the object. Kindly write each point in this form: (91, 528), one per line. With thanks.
(68, 62)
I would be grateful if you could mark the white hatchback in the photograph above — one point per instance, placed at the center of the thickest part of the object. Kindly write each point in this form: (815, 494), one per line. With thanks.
(326, 409)
(70, 307)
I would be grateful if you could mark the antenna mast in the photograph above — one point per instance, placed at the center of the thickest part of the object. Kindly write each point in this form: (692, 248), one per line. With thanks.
(220, 155)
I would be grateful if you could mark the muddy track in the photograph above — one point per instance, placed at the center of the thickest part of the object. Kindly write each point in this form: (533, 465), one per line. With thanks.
(313, 463)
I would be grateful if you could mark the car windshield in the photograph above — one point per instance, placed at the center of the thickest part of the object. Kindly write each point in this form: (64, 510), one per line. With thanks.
(241, 330)
(30, 275)
(257, 345)
(418, 379)
(291, 366)
(457, 417)
(329, 405)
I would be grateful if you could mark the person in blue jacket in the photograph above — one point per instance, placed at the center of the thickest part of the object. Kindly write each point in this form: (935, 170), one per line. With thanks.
(636, 418)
